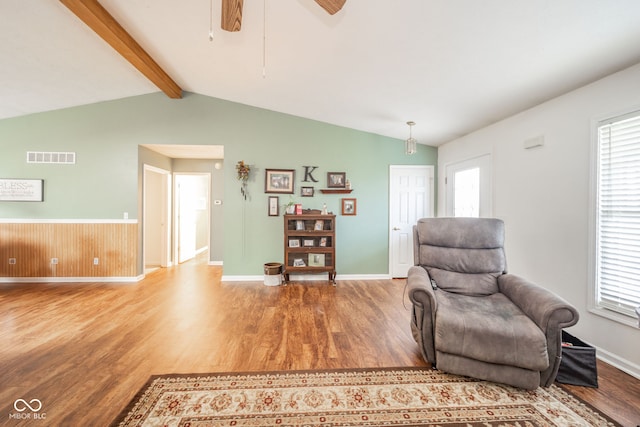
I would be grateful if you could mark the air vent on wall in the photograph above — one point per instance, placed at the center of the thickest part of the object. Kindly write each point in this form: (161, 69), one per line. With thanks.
(64, 158)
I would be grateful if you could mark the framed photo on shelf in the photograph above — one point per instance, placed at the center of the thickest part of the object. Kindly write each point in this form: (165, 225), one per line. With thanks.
(294, 243)
(274, 206)
(306, 191)
(299, 262)
(348, 206)
(308, 243)
(279, 181)
(316, 260)
(300, 225)
(323, 242)
(336, 179)
(319, 225)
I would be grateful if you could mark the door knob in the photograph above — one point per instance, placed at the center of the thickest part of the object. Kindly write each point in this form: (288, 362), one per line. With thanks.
(396, 228)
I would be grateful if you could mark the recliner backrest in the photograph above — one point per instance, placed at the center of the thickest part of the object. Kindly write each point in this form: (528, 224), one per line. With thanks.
(462, 255)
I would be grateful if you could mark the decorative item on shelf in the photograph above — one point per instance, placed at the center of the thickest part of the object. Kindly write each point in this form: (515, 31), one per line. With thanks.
(337, 183)
(324, 209)
(316, 260)
(243, 171)
(290, 206)
(298, 208)
(310, 211)
(294, 243)
(410, 146)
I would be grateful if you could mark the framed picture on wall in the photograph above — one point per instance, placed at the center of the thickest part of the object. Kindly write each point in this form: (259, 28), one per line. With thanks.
(279, 181)
(336, 179)
(21, 190)
(306, 191)
(348, 206)
(274, 206)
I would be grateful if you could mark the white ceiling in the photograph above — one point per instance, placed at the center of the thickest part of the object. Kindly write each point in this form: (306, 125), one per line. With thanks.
(452, 66)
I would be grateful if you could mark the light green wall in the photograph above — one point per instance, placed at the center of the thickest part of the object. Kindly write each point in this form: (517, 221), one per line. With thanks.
(105, 181)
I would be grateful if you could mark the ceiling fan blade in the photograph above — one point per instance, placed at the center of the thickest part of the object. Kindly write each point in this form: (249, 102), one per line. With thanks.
(331, 6)
(231, 15)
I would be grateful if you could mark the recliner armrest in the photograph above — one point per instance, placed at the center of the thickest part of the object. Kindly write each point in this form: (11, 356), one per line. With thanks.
(543, 306)
(550, 312)
(423, 299)
(420, 289)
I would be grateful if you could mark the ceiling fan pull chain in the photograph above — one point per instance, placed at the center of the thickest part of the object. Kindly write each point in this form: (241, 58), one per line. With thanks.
(264, 39)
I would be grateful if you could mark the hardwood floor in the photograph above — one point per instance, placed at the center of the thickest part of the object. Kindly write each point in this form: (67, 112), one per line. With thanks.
(84, 350)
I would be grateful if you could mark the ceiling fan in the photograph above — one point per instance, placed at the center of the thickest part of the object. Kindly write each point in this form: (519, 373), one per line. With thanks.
(232, 12)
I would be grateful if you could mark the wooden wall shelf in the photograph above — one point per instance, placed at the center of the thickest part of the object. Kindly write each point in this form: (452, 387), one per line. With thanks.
(335, 190)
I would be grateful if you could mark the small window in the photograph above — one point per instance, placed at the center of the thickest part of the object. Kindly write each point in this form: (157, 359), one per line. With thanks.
(617, 234)
(468, 187)
(466, 192)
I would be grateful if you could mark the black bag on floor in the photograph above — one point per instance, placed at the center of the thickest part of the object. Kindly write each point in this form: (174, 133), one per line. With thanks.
(578, 364)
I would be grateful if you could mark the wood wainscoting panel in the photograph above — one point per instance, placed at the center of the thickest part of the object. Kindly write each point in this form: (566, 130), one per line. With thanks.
(74, 244)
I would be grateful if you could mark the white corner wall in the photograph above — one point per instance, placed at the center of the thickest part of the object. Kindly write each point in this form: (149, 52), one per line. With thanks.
(542, 194)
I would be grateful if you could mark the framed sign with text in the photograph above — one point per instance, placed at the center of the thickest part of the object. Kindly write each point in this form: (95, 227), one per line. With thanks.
(21, 190)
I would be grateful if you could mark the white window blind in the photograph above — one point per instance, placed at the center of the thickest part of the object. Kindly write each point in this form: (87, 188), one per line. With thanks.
(618, 233)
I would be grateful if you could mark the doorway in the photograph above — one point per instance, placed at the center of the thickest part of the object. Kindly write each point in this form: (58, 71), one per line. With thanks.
(411, 196)
(191, 214)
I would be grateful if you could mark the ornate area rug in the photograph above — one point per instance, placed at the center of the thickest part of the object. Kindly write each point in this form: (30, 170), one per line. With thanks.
(364, 397)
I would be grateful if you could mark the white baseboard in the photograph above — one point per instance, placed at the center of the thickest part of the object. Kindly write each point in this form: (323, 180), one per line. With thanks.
(133, 279)
(215, 263)
(620, 363)
(308, 277)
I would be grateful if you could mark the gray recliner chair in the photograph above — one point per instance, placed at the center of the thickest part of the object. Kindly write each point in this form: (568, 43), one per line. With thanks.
(471, 318)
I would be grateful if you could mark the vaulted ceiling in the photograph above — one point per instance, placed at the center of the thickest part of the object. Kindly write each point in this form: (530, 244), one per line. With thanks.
(452, 66)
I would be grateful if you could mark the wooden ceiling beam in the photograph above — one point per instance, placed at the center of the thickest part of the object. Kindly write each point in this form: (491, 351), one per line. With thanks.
(231, 17)
(102, 23)
(331, 6)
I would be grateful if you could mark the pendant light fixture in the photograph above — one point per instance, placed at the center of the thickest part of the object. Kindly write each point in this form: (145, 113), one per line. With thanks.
(410, 146)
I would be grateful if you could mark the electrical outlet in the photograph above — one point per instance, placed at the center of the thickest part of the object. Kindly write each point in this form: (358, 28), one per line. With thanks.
(96, 261)
(54, 260)
(12, 260)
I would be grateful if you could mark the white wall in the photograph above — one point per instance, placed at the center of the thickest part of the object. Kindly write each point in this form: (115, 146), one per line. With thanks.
(542, 194)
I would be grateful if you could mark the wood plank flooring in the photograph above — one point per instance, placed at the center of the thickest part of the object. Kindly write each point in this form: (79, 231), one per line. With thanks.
(84, 350)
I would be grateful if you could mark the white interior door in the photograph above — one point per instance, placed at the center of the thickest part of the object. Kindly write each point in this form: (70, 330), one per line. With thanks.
(410, 198)
(468, 185)
(157, 218)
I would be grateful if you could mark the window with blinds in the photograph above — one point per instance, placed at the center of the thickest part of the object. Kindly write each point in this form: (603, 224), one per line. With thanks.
(618, 214)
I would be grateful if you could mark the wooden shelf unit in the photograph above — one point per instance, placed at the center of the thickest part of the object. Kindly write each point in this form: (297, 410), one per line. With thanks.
(308, 247)
(335, 190)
